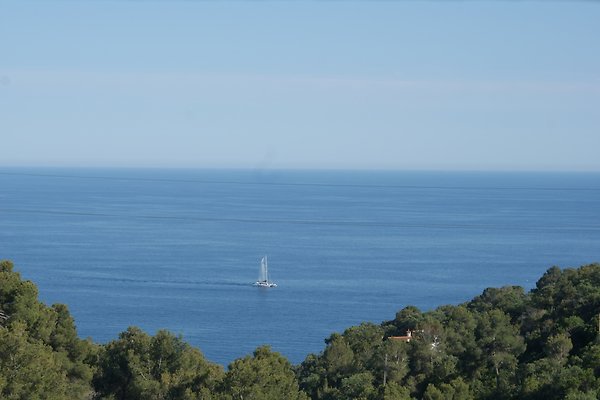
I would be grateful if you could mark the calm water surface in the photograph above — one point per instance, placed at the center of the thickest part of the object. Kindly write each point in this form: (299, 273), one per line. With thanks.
(179, 249)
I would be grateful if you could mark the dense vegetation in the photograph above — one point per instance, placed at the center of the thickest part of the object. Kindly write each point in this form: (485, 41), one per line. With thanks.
(503, 344)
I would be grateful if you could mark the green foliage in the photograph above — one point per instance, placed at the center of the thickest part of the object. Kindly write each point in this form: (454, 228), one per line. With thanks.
(501, 345)
(511, 300)
(454, 390)
(266, 375)
(41, 355)
(358, 386)
(504, 344)
(312, 376)
(338, 358)
(558, 347)
(29, 370)
(406, 319)
(139, 366)
(393, 361)
(578, 395)
(394, 391)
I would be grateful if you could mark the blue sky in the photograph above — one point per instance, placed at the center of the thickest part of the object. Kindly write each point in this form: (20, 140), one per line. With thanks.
(368, 85)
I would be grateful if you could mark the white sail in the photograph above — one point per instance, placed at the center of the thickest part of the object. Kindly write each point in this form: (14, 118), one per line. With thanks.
(263, 274)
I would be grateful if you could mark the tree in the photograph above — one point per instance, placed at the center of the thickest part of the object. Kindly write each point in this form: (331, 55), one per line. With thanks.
(49, 332)
(406, 319)
(29, 370)
(501, 345)
(511, 300)
(558, 347)
(504, 344)
(312, 376)
(358, 386)
(339, 359)
(393, 361)
(138, 366)
(394, 391)
(455, 390)
(364, 340)
(266, 375)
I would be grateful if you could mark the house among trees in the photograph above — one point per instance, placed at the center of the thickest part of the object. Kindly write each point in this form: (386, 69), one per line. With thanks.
(406, 338)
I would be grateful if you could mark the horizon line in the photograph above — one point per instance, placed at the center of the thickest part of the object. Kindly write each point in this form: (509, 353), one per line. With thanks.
(300, 169)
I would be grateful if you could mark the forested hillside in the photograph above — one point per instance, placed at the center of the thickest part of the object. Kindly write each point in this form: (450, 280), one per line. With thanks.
(503, 344)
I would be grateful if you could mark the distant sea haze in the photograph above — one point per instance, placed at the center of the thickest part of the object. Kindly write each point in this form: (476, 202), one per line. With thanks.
(180, 249)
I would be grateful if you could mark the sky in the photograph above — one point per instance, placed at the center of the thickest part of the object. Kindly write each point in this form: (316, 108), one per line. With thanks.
(413, 85)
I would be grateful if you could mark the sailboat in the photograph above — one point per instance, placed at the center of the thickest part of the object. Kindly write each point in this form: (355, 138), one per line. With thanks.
(263, 275)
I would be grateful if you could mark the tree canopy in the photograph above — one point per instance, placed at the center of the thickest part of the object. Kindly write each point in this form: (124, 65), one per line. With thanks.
(503, 344)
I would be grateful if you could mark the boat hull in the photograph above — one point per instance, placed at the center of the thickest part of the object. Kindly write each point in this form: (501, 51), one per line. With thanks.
(265, 284)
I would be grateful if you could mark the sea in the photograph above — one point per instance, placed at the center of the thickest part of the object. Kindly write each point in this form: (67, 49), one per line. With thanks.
(179, 249)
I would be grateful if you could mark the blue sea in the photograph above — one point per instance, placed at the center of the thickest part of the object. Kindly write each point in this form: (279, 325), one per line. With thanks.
(180, 249)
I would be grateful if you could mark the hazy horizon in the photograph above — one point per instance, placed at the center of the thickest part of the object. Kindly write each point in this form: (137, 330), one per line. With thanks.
(47, 170)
